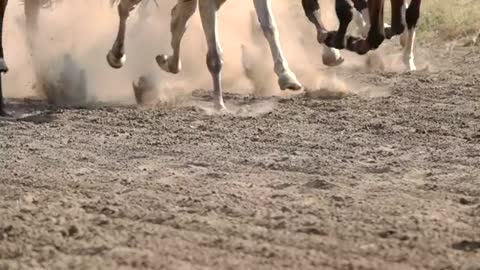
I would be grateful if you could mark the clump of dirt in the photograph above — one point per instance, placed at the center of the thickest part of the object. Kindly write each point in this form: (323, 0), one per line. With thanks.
(145, 91)
(63, 82)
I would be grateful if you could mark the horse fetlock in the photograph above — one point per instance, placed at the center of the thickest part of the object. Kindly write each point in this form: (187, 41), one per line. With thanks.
(3, 66)
(168, 64)
(375, 39)
(335, 40)
(214, 61)
(116, 61)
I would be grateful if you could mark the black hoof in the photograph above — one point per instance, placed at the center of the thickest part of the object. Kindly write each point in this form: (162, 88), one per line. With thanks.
(358, 45)
(334, 40)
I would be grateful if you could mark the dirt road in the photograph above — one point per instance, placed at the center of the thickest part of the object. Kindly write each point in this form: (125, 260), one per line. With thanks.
(387, 182)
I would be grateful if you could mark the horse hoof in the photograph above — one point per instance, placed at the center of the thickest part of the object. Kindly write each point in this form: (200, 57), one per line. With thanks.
(331, 57)
(3, 66)
(334, 62)
(164, 62)
(114, 61)
(288, 81)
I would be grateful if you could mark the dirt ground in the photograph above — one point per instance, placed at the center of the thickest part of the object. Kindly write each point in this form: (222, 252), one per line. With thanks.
(388, 181)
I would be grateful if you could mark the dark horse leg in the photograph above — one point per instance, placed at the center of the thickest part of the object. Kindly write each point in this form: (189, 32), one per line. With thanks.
(376, 34)
(331, 56)
(116, 56)
(344, 10)
(3, 64)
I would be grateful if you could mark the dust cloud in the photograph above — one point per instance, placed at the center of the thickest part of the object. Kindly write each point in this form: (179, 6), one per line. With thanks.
(74, 38)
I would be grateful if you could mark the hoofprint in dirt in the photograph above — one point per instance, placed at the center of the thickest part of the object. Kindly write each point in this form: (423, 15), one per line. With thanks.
(391, 182)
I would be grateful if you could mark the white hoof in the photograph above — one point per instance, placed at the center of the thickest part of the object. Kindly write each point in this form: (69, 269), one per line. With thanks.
(115, 62)
(287, 80)
(3, 66)
(219, 105)
(331, 57)
(165, 63)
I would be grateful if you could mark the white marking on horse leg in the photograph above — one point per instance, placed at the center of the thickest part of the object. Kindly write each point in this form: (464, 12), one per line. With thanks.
(360, 22)
(181, 13)
(366, 19)
(116, 56)
(286, 78)
(408, 56)
(208, 14)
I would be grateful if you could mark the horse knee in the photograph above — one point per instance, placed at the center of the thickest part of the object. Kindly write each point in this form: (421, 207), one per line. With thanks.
(215, 61)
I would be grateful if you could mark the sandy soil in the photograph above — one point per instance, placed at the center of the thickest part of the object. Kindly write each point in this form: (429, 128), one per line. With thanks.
(387, 181)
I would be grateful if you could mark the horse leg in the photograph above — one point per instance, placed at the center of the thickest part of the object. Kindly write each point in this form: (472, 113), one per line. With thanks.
(181, 13)
(208, 14)
(344, 11)
(3, 64)
(116, 56)
(412, 16)
(331, 56)
(376, 33)
(404, 35)
(286, 78)
(398, 22)
(362, 19)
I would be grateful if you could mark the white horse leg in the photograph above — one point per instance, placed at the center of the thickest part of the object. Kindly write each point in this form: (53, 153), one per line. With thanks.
(116, 56)
(286, 78)
(208, 14)
(181, 13)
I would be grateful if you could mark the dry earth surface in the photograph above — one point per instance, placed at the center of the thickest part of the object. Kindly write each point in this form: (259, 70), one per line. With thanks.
(363, 182)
